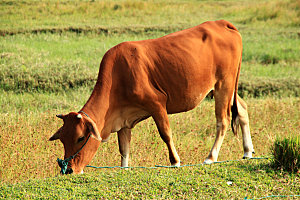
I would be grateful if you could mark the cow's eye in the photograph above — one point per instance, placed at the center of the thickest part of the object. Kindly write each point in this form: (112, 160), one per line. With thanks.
(80, 139)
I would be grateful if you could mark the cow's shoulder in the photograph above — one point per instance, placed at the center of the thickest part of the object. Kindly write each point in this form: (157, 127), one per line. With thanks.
(129, 49)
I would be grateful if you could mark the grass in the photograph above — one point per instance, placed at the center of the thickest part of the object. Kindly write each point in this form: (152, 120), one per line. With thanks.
(58, 62)
(58, 46)
(31, 120)
(49, 59)
(286, 154)
(230, 180)
(270, 46)
(30, 15)
(260, 87)
(280, 13)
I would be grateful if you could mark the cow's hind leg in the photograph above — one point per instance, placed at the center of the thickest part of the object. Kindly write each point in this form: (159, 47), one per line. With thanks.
(244, 123)
(162, 122)
(222, 111)
(124, 137)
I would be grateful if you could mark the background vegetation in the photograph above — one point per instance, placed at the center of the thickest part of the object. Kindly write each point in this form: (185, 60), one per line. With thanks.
(287, 154)
(49, 59)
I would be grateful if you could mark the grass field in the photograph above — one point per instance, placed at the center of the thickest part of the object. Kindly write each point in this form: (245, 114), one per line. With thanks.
(49, 59)
(218, 181)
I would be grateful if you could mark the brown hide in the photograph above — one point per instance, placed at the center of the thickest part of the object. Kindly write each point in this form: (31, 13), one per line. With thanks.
(177, 70)
(167, 75)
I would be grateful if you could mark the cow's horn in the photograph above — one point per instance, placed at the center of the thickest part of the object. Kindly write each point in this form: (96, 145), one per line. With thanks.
(59, 116)
(79, 116)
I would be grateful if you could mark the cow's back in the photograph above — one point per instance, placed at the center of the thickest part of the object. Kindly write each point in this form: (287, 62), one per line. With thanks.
(183, 66)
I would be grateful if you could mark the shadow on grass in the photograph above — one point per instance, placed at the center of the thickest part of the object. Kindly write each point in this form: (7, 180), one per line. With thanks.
(266, 167)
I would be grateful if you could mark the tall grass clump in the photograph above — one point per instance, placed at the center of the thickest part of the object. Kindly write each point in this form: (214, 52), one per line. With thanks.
(287, 154)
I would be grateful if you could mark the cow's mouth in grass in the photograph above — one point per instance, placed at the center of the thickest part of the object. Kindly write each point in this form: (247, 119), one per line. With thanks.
(69, 171)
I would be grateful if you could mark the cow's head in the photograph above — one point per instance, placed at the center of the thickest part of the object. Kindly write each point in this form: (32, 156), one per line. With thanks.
(73, 134)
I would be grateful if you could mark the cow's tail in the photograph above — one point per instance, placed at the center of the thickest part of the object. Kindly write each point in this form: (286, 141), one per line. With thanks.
(234, 107)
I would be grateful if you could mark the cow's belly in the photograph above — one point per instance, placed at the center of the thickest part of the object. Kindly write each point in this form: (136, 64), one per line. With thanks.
(127, 117)
(187, 82)
(186, 100)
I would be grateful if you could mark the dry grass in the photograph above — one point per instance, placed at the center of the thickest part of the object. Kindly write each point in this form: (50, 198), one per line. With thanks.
(19, 16)
(27, 154)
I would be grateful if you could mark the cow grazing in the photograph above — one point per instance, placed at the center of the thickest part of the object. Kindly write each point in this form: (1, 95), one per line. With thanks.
(157, 77)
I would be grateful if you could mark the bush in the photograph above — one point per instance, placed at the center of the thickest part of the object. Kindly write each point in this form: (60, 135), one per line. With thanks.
(46, 78)
(287, 154)
(260, 87)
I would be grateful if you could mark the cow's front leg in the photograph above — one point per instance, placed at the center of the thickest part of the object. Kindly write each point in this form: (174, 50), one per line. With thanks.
(162, 123)
(124, 137)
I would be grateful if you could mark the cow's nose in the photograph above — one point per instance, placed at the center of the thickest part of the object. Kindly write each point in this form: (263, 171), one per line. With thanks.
(69, 171)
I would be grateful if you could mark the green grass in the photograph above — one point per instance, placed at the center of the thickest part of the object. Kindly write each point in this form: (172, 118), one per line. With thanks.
(267, 13)
(262, 87)
(221, 181)
(58, 62)
(271, 45)
(286, 154)
(31, 15)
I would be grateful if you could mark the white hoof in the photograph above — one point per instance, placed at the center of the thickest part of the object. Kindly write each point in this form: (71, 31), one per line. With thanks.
(176, 164)
(247, 155)
(208, 161)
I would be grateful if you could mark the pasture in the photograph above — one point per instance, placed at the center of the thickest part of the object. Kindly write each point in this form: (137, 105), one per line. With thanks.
(49, 59)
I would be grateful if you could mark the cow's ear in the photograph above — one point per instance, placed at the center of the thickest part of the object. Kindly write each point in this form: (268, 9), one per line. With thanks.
(60, 116)
(56, 135)
(91, 125)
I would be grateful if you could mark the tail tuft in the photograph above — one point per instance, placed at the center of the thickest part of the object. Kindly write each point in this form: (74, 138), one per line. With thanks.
(234, 120)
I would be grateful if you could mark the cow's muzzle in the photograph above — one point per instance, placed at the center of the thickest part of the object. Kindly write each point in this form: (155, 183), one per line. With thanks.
(69, 171)
(63, 164)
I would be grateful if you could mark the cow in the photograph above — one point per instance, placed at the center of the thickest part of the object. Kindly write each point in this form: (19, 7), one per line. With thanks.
(154, 78)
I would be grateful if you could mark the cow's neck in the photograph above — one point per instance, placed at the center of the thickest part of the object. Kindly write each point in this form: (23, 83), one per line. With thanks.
(99, 106)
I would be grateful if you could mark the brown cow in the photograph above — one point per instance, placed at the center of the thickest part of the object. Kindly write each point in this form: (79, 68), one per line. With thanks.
(155, 78)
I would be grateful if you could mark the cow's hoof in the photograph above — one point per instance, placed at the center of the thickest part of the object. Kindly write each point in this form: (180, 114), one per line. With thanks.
(248, 155)
(208, 161)
(125, 167)
(176, 164)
